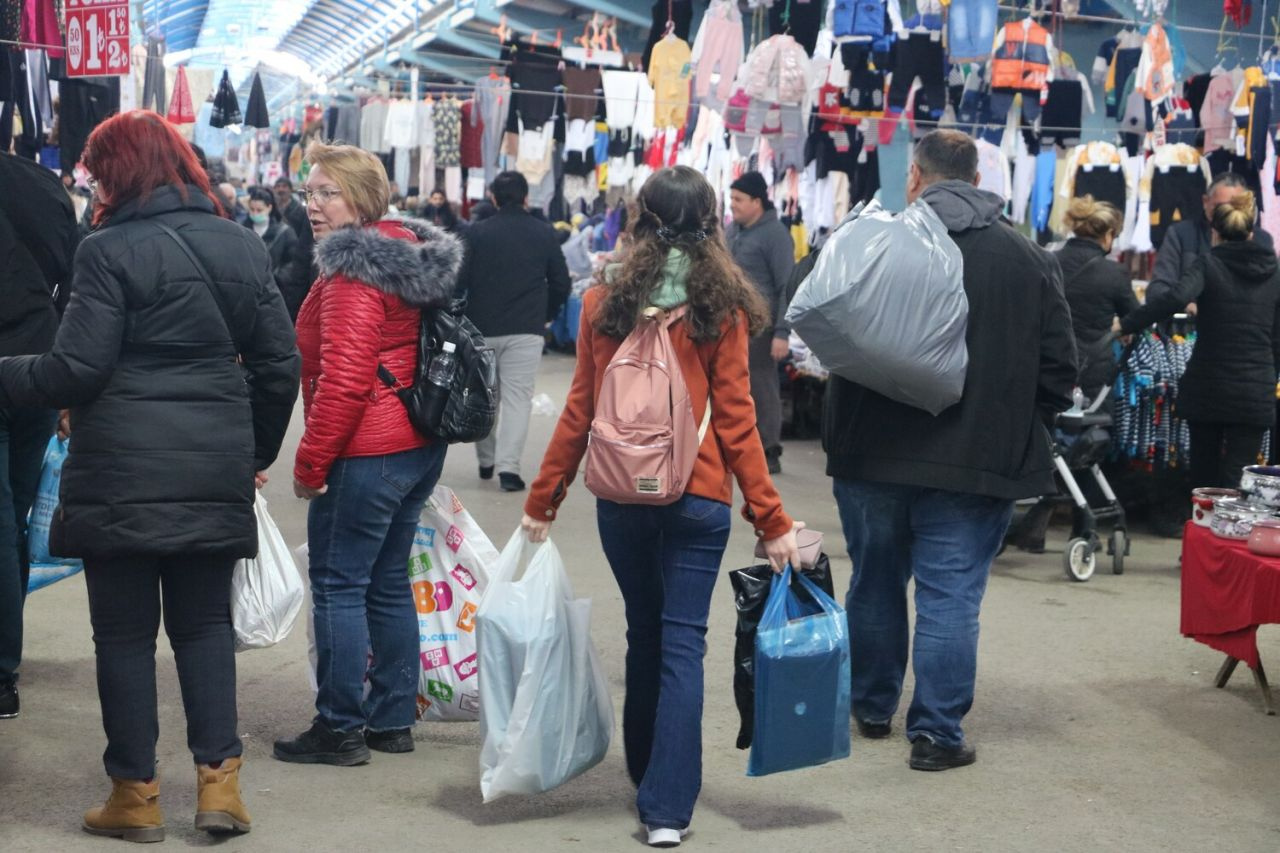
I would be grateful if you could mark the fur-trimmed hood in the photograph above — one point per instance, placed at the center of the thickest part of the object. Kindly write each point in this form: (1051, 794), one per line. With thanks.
(423, 274)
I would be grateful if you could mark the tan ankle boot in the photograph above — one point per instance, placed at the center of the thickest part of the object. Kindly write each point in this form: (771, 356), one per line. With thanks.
(220, 808)
(132, 812)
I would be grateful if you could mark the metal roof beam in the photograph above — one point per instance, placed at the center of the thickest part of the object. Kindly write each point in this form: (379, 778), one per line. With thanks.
(450, 68)
(448, 35)
(623, 10)
(524, 21)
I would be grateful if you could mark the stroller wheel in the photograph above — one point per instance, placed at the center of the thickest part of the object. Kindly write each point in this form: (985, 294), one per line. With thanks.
(1118, 546)
(1079, 559)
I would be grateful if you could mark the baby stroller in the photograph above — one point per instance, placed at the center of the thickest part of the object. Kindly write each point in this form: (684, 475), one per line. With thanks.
(1080, 441)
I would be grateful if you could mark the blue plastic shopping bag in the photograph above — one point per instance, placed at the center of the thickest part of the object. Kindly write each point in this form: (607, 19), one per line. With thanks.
(46, 568)
(802, 680)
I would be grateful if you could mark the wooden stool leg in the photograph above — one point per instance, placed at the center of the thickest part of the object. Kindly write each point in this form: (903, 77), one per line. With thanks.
(1260, 676)
(1224, 674)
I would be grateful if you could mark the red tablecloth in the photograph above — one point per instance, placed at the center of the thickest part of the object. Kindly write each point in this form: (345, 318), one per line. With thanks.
(1227, 592)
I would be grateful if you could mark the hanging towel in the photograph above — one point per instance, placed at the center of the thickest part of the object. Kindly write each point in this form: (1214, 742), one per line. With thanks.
(256, 113)
(180, 108)
(226, 107)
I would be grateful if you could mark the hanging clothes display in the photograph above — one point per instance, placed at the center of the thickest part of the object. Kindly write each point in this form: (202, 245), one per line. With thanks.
(669, 74)
(718, 49)
(256, 113)
(673, 15)
(226, 106)
(1174, 180)
(180, 109)
(493, 98)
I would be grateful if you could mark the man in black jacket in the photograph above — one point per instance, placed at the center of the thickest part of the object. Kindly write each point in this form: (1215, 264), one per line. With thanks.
(1186, 241)
(294, 213)
(514, 279)
(930, 497)
(38, 238)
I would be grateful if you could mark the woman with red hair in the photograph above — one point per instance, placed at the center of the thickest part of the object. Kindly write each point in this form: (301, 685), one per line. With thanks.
(177, 361)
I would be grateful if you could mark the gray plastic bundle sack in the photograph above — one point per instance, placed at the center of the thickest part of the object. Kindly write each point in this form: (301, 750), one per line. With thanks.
(885, 306)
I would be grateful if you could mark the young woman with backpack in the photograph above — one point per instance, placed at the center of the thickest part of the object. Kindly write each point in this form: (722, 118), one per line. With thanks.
(665, 557)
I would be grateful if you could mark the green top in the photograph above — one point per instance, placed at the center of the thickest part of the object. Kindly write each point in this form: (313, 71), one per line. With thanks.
(670, 291)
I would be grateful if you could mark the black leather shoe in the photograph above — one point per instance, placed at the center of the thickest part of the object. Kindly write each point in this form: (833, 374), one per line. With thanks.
(322, 745)
(486, 472)
(774, 460)
(8, 702)
(511, 482)
(927, 755)
(394, 740)
(873, 731)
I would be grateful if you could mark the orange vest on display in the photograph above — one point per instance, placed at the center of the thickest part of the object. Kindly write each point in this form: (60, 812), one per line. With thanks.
(1022, 62)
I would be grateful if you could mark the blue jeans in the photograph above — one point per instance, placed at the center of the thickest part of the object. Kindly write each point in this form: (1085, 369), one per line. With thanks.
(971, 29)
(24, 435)
(946, 541)
(360, 532)
(665, 559)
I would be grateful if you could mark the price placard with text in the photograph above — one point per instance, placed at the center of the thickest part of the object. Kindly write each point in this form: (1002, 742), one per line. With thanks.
(97, 38)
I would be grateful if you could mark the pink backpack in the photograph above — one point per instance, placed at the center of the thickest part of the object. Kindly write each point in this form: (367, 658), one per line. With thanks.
(644, 441)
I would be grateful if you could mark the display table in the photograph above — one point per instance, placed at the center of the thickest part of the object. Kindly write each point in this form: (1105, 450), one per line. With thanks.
(1227, 592)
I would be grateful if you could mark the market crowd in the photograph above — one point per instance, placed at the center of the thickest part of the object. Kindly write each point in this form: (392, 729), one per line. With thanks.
(170, 342)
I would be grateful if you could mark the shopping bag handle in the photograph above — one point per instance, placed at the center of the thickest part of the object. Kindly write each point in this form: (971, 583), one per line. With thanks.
(780, 595)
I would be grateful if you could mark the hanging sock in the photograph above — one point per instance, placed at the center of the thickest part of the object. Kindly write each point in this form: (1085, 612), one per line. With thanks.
(226, 107)
(180, 107)
(256, 113)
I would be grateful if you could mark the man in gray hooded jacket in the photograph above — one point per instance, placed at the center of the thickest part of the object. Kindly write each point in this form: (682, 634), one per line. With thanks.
(930, 497)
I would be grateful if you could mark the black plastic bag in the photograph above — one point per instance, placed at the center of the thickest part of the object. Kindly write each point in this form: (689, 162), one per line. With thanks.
(750, 592)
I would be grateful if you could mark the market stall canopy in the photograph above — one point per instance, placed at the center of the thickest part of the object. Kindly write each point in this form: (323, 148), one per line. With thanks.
(314, 41)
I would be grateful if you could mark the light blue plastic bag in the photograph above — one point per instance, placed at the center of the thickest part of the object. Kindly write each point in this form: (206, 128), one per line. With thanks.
(46, 568)
(802, 680)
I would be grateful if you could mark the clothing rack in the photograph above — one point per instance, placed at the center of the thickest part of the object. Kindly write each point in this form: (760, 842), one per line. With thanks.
(1102, 19)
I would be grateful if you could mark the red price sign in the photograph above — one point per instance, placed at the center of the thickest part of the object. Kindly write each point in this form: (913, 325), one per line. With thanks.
(97, 38)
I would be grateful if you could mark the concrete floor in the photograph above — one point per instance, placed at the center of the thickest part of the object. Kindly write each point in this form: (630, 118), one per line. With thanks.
(1097, 725)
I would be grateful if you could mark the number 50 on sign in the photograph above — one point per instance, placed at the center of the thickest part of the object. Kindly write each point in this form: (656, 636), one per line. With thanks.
(97, 38)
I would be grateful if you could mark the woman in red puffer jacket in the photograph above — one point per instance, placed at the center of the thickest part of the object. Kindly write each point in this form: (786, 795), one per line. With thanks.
(364, 468)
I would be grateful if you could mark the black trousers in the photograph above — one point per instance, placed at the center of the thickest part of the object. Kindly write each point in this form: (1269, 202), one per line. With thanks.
(1219, 451)
(125, 596)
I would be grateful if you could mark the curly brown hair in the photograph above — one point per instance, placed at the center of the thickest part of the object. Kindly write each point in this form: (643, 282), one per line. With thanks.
(676, 208)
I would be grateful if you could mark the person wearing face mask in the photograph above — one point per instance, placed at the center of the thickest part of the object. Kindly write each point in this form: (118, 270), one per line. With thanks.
(365, 469)
(282, 244)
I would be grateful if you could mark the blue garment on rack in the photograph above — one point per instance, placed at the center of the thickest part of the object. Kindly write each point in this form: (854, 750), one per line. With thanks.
(1042, 189)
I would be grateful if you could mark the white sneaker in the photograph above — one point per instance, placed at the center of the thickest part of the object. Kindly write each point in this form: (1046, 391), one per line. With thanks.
(665, 837)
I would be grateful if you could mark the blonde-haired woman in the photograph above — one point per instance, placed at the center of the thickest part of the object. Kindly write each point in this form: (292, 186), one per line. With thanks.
(1228, 393)
(364, 468)
(1099, 290)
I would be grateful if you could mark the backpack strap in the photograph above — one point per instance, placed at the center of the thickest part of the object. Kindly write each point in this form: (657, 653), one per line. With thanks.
(670, 318)
(203, 272)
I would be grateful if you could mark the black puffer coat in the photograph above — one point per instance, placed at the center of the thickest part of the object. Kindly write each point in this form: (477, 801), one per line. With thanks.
(167, 429)
(1231, 377)
(38, 238)
(1098, 290)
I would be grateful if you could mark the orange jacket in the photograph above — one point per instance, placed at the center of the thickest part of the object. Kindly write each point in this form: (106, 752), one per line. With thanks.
(715, 368)
(1022, 62)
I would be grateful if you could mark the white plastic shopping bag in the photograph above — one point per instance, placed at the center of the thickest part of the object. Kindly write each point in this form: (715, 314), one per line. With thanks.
(266, 592)
(449, 567)
(545, 711)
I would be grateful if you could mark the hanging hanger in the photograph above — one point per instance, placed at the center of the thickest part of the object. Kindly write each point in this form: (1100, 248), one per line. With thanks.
(670, 30)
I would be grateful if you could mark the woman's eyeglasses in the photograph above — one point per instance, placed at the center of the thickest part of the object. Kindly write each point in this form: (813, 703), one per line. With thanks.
(321, 196)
